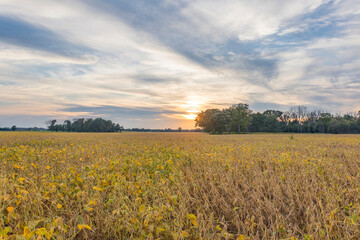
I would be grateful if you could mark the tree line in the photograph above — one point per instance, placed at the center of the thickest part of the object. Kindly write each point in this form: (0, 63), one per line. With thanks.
(179, 129)
(84, 125)
(239, 118)
(13, 128)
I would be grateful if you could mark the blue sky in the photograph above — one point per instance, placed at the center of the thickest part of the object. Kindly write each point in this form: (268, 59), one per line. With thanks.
(155, 63)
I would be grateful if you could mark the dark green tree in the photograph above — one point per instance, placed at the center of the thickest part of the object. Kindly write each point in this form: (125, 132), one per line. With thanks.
(212, 120)
(324, 122)
(51, 125)
(239, 117)
(68, 126)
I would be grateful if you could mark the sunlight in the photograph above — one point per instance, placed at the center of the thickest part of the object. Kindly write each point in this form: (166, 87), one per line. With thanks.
(192, 107)
(190, 116)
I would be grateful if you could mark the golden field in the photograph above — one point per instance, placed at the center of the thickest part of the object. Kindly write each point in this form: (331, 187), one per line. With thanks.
(179, 186)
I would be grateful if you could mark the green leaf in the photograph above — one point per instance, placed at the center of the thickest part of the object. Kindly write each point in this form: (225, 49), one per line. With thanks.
(5, 231)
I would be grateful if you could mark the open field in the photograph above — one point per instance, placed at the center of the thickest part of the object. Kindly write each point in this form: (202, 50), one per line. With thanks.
(179, 186)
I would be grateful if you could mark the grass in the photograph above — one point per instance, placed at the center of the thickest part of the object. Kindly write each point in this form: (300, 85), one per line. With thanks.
(179, 186)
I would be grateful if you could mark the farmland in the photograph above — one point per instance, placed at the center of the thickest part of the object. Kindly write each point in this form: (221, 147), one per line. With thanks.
(179, 186)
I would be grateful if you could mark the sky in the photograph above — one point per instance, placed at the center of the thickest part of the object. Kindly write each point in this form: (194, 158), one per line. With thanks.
(156, 63)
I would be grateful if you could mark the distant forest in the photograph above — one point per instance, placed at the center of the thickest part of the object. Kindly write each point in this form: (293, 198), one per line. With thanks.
(14, 128)
(102, 125)
(85, 125)
(238, 118)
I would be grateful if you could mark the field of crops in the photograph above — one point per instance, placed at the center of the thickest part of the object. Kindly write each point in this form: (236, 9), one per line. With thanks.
(179, 186)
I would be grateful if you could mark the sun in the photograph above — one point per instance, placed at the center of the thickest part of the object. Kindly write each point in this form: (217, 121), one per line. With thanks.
(192, 107)
(190, 116)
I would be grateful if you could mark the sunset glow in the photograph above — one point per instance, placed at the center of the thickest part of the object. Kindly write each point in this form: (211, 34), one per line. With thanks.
(192, 107)
(190, 116)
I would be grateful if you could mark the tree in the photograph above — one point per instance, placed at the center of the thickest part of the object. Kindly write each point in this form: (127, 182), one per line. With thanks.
(85, 125)
(312, 117)
(298, 114)
(67, 125)
(118, 128)
(51, 125)
(257, 122)
(211, 120)
(285, 119)
(273, 113)
(239, 117)
(13, 128)
(78, 125)
(271, 120)
(324, 121)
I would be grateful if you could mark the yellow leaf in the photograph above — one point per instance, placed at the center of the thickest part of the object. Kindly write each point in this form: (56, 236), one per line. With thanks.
(41, 231)
(81, 226)
(146, 221)
(47, 167)
(21, 180)
(30, 234)
(26, 231)
(141, 208)
(218, 228)
(97, 189)
(59, 206)
(87, 226)
(185, 234)
(192, 219)
(49, 234)
(241, 237)
(194, 222)
(159, 230)
(171, 177)
(10, 209)
(24, 191)
(56, 221)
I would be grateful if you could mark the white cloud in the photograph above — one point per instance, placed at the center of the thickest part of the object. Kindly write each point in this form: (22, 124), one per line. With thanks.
(246, 20)
(12, 53)
(294, 29)
(122, 52)
(326, 67)
(127, 66)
